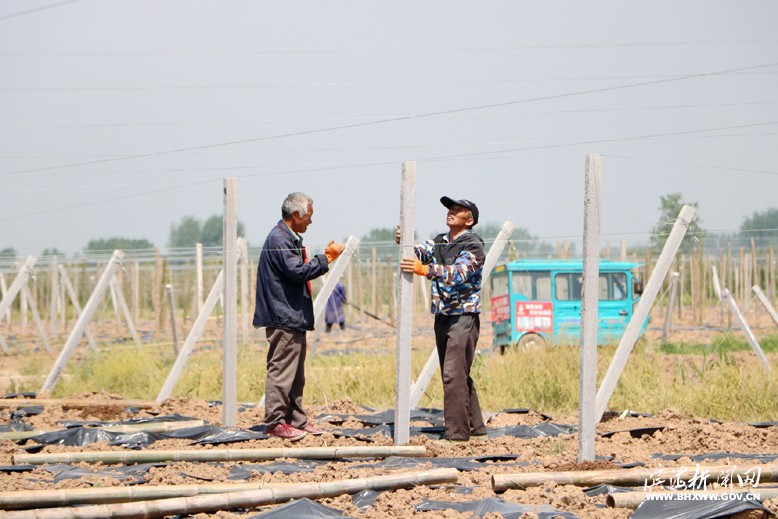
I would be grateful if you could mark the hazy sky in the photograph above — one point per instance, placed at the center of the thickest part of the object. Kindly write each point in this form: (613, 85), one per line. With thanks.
(117, 118)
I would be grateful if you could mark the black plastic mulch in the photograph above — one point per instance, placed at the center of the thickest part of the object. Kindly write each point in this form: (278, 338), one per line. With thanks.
(635, 433)
(245, 471)
(301, 509)
(705, 509)
(128, 475)
(495, 505)
(603, 489)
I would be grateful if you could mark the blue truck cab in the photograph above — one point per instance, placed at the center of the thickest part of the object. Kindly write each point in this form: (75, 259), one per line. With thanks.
(536, 302)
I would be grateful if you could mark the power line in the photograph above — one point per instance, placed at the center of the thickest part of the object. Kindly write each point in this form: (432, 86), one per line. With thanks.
(415, 50)
(419, 116)
(37, 9)
(373, 117)
(706, 166)
(340, 84)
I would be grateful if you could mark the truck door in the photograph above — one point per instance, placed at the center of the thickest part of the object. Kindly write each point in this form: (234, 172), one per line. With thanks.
(567, 306)
(615, 308)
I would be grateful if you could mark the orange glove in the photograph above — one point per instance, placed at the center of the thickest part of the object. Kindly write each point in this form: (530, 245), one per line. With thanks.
(333, 250)
(414, 266)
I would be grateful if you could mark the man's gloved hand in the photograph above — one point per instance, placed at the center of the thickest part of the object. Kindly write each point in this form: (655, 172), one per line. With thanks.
(414, 266)
(333, 250)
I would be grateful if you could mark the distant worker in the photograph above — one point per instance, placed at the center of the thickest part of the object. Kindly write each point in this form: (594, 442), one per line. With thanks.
(284, 307)
(453, 261)
(335, 313)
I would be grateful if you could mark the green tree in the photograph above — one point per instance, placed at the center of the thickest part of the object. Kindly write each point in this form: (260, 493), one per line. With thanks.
(190, 231)
(383, 241)
(52, 252)
(522, 241)
(669, 207)
(185, 234)
(762, 226)
(117, 243)
(8, 252)
(213, 231)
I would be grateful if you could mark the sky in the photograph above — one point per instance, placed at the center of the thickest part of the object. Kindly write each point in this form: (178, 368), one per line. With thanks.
(119, 118)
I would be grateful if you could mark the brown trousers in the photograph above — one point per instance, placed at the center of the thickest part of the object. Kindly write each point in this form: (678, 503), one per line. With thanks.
(285, 378)
(456, 337)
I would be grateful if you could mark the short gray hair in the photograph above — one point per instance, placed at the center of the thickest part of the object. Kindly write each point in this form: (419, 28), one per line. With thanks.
(295, 203)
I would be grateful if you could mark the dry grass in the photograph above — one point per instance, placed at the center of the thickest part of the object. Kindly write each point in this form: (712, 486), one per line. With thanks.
(723, 381)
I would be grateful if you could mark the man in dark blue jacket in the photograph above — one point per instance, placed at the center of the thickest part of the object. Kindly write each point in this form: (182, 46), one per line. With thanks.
(285, 308)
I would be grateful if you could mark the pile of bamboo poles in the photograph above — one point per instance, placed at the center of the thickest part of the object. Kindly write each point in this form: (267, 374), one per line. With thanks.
(641, 477)
(207, 503)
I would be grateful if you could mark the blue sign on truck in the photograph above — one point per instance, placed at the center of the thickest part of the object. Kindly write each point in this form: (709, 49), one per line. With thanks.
(535, 302)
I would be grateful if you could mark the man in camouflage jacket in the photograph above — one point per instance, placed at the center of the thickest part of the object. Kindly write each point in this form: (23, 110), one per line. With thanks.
(453, 261)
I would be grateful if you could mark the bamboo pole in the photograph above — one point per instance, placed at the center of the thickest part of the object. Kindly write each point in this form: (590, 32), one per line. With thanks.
(634, 499)
(75, 403)
(155, 456)
(26, 499)
(237, 500)
(123, 429)
(631, 477)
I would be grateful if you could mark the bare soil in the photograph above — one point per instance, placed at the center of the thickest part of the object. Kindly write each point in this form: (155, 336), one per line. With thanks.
(622, 440)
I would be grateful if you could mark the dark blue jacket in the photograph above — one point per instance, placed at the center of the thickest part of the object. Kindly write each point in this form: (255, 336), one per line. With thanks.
(283, 299)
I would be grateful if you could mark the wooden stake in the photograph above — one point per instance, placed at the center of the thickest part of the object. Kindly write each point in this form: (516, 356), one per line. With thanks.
(171, 299)
(670, 304)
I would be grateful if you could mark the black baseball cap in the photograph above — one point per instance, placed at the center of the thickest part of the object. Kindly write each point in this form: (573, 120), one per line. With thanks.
(448, 202)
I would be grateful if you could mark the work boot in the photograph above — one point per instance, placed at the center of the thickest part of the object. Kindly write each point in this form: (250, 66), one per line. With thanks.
(287, 432)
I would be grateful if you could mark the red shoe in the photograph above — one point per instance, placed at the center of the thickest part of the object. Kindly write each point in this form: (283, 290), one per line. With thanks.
(287, 432)
(311, 429)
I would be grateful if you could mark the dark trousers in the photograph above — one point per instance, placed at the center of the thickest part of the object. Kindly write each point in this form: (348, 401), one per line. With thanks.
(456, 337)
(285, 378)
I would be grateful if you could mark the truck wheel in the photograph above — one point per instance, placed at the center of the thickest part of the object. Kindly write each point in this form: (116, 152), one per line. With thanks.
(531, 342)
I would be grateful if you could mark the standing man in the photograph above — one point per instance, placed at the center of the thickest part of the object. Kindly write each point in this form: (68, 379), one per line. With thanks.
(285, 308)
(453, 261)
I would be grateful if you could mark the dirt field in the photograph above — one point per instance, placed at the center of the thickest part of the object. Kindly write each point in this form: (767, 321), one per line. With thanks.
(622, 441)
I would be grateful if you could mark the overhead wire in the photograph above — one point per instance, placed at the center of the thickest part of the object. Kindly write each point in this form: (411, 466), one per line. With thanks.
(36, 9)
(95, 88)
(383, 121)
(364, 50)
(371, 118)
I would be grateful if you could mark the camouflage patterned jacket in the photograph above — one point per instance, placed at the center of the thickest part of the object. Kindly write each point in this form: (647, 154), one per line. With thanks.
(455, 271)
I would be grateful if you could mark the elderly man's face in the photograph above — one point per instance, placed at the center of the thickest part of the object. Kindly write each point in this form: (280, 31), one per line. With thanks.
(300, 223)
(459, 216)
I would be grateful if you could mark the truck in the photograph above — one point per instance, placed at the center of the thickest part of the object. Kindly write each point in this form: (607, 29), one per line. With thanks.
(538, 302)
